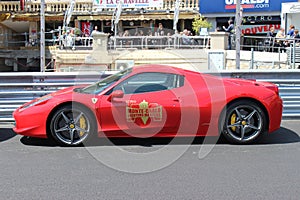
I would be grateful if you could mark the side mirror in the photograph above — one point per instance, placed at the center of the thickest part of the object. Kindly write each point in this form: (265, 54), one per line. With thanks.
(117, 94)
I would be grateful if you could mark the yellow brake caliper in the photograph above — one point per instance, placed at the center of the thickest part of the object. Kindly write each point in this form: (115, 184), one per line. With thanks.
(82, 124)
(232, 121)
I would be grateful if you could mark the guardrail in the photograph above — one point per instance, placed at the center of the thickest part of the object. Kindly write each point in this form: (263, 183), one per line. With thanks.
(17, 90)
(288, 82)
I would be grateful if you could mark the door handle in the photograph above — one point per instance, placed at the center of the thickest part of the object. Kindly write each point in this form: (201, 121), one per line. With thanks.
(176, 99)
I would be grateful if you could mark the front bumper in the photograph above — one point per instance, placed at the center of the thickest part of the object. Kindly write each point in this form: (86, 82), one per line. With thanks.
(30, 123)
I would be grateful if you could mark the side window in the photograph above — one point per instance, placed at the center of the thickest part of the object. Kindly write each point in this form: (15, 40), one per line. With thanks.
(150, 82)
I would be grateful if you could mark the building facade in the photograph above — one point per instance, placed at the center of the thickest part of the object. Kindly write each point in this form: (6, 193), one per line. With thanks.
(24, 16)
(258, 15)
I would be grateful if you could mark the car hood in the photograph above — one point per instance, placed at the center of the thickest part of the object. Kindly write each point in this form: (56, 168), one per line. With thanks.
(66, 90)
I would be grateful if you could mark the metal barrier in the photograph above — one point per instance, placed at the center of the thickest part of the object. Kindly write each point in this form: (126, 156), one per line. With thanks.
(159, 42)
(290, 46)
(177, 41)
(293, 56)
(78, 42)
(17, 90)
(288, 82)
(137, 42)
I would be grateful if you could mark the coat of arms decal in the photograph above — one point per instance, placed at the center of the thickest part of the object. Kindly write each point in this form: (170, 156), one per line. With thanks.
(143, 111)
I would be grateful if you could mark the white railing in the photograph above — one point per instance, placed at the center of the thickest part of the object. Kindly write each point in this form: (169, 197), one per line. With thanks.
(159, 42)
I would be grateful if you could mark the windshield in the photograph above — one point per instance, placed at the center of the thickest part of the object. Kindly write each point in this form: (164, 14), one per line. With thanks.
(105, 83)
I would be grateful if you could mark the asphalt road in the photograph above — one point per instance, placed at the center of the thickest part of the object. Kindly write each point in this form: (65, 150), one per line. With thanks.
(38, 169)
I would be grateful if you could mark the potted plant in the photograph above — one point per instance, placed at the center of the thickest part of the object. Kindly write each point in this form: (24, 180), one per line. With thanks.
(199, 23)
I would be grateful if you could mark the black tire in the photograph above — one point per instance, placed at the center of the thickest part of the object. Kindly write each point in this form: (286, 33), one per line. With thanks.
(243, 122)
(72, 125)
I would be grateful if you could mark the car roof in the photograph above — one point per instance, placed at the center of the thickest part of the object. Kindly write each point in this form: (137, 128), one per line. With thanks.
(158, 68)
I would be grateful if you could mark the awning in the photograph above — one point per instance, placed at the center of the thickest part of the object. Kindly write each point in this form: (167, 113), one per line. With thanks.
(137, 17)
(131, 17)
(36, 17)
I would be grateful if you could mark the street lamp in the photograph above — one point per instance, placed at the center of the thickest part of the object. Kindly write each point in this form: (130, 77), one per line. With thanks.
(42, 37)
(238, 20)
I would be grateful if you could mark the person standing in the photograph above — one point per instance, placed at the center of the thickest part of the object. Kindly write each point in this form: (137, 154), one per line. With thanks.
(296, 36)
(280, 33)
(269, 41)
(279, 38)
(160, 30)
(291, 31)
(95, 31)
(229, 30)
(69, 39)
(271, 32)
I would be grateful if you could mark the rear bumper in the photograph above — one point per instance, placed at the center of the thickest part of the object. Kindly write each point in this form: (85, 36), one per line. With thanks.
(275, 113)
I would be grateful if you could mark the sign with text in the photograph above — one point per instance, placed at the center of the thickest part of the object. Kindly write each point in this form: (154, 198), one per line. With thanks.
(128, 3)
(258, 29)
(221, 6)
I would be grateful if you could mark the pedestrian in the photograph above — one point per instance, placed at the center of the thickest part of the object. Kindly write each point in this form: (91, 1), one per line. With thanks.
(230, 30)
(279, 38)
(95, 31)
(291, 31)
(269, 41)
(68, 39)
(160, 30)
(126, 33)
(185, 37)
(297, 37)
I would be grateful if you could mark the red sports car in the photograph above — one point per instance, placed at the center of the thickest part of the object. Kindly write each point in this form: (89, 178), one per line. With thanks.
(154, 101)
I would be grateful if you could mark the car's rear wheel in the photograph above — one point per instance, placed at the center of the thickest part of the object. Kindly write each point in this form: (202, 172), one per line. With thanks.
(72, 125)
(244, 122)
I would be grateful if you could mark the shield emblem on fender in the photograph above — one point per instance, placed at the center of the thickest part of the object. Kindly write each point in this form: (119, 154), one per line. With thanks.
(94, 100)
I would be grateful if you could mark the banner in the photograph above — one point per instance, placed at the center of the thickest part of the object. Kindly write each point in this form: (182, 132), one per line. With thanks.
(128, 3)
(258, 29)
(86, 28)
(118, 12)
(176, 14)
(69, 12)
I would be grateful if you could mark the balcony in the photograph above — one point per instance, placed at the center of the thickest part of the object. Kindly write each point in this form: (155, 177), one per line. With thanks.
(84, 7)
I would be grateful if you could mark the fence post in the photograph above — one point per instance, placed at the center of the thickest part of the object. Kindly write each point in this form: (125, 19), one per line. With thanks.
(6, 40)
(26, 43)
(252, 58)
(60, 37)
(42, 36)
(279, 58)
(294, 54)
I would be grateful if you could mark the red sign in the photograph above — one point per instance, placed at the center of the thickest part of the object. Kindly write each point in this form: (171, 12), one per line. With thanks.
(258, 29)
(86, 28)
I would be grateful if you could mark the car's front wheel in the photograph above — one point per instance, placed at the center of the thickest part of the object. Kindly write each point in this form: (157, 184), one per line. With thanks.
(72, 125)
(244, 122)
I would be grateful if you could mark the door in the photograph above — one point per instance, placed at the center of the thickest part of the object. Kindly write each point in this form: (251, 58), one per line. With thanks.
(145, 106)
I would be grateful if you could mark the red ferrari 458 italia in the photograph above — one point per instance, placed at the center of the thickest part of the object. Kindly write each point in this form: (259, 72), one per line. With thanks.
(154, 101)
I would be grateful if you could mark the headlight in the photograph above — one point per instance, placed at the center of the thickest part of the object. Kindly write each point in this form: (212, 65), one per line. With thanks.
(36, 101)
